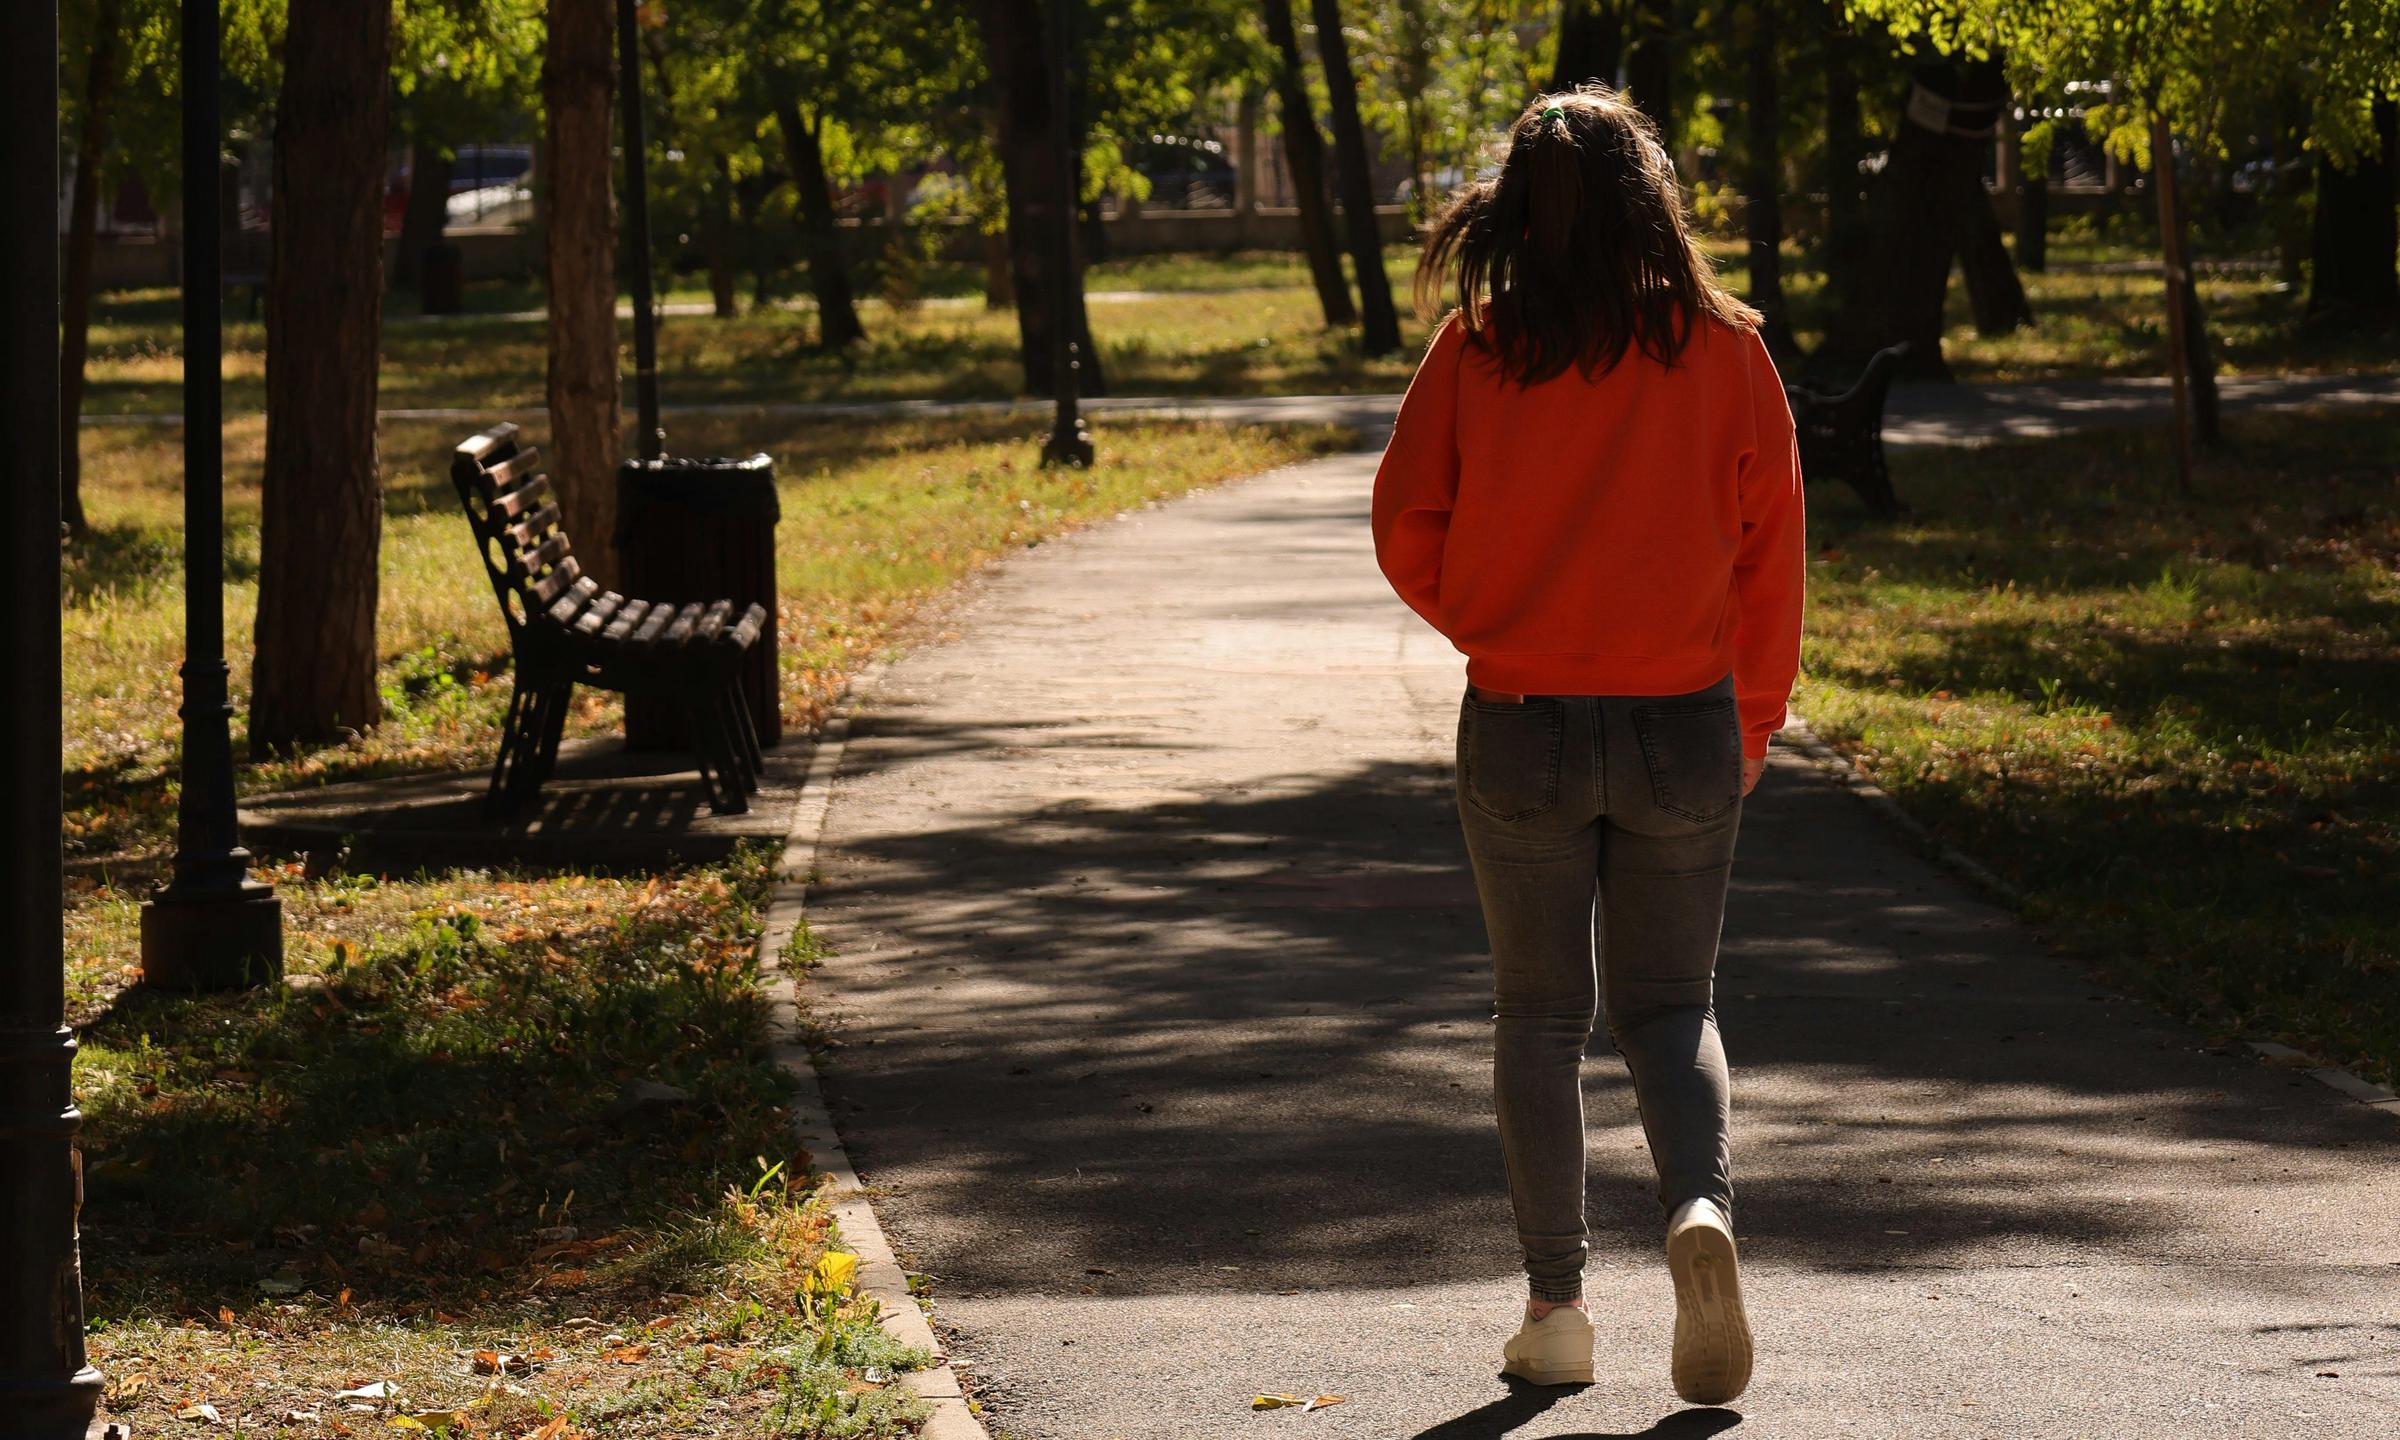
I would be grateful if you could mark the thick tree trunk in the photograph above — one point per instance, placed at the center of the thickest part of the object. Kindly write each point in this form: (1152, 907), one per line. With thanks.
(1591, 43)
(1994, 293)
(1379, 326)
(1013, 37)
(321, 501)
(2032, 183)
(1762, 204)
(1304, 155)
(580, 266)
(75, 282)
(1650, 65)
(828, 272)
(999, 281)
(1923, 212)
(428, 211)
(2355, 243)
(1845, 244)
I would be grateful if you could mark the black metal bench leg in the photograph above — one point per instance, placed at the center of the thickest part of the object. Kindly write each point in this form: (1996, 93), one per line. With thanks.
(555, 703)
(718, 779)
(516, 741)
(735, 702)
(544, 711)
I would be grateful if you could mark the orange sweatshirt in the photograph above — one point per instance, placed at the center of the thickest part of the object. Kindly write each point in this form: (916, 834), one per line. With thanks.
(1638, 534)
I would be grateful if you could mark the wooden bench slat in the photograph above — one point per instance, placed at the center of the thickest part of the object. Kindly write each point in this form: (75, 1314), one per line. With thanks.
(533, 527)
(621, 628)
(745, 632)
(601, 611)
(525, 497)
(551, 551)
(506, 472)
(567, 608)
(552, 585)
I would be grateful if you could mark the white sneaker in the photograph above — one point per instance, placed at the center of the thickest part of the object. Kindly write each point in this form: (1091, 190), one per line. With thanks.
(1712, 1336)
(1554, 1350)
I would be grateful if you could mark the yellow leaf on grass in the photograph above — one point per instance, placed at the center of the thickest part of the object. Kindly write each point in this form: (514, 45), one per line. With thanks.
(835, 1273)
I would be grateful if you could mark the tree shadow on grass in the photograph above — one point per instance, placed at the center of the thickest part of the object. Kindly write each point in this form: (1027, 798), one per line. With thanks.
(446, 1119)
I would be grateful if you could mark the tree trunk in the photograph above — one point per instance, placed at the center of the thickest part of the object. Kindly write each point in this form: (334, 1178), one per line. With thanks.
(2355, 242)
(321, 501)
(2199, 357)
(1650, 65)
(1994, 293)
(1845, 243)
(428, 211)
(716, 239)
(1762, 205)
(1013, 37)
(1922, 212)
(83, 225)
(999, 281)
(1379, 328)
(580, 267)
(1304, 155)
(1591, 43)
(828, 273)
(2033, 210)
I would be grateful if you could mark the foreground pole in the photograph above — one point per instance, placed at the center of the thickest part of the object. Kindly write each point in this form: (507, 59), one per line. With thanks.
(637, 221)
(212, 927)
(48, 1391)
(1068, 444)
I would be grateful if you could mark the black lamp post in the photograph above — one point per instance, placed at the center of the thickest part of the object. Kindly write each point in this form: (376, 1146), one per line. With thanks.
(212, 927)
(1068, 443)
(48, 1389)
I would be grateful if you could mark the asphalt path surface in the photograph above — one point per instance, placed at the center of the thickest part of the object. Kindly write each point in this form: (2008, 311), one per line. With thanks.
(1162, 1018)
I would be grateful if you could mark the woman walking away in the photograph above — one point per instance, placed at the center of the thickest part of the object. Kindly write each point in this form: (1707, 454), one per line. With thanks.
(1592, 491)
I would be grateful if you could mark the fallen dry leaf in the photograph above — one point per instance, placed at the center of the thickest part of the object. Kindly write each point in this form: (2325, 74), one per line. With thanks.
(1321, 1402)
(203, 1412)
(630, 1354)
(1274, 1402)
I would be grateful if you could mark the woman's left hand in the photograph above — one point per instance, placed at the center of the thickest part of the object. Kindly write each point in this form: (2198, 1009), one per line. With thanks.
(1751, 770)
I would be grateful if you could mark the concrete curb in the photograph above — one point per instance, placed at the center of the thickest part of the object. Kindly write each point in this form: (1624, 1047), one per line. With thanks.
(1797, 734)
(879, 1272)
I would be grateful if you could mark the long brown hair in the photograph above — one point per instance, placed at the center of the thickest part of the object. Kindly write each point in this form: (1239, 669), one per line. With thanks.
(1576, 251)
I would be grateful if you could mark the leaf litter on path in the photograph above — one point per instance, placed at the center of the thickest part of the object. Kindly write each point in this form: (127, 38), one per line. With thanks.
(1280, 1402)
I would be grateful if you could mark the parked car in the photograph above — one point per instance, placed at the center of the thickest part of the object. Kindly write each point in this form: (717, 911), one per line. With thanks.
(489, 185)
(1185, 172)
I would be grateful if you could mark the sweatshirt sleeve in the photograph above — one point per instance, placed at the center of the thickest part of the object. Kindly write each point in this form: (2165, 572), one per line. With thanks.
(1418, 479)
(1771, 565)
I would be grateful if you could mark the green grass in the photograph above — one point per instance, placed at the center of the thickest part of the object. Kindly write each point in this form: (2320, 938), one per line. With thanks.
(2173, 723)
(423, 1149)
(1240, 324)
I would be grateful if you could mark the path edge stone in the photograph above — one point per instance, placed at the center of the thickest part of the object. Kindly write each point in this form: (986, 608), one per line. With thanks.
(1797, 734)
(879, 1272)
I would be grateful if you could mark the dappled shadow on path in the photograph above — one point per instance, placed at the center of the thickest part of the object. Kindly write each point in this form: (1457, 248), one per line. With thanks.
(1228, 1037)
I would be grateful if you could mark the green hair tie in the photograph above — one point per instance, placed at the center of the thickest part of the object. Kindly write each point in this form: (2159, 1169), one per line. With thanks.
(1554, 112)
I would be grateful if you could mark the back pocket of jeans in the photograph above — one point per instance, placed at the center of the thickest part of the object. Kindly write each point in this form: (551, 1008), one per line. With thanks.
(1693, 750)
(1508, 757)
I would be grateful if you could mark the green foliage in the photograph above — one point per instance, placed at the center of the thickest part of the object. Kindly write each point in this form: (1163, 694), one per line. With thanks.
(2182, 59)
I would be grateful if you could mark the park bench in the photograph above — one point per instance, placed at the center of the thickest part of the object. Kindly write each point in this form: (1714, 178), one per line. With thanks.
(566, 631)
(1841, 434)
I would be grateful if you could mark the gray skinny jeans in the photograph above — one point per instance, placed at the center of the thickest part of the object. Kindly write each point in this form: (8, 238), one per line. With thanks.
(1632, 802)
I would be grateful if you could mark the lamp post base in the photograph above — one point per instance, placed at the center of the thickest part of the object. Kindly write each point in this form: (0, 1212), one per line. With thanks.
(220, 940)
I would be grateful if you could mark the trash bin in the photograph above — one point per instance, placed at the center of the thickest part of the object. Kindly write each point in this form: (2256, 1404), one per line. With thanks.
(442, 279)
(701, 530)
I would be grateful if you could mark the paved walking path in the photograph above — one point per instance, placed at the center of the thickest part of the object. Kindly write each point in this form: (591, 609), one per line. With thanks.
(1917, 414)
(1164, 1018)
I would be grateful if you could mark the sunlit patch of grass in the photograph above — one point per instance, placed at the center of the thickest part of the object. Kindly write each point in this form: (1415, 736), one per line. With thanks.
(2175, 724)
